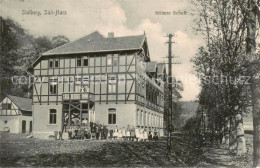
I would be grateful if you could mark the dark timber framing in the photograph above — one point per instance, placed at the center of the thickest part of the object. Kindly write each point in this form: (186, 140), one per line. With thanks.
(131, 92)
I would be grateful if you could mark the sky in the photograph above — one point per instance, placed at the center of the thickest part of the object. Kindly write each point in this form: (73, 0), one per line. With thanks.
(123, 17)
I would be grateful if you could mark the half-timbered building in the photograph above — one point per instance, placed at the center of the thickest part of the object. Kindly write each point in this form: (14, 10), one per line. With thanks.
(16, 114)
(110, 80)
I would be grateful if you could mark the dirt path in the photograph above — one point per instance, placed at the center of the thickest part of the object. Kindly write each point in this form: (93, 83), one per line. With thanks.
(220, 156)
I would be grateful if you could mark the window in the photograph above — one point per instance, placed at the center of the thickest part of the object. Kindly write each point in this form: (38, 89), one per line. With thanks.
(112, 60)
(5, 121)
(6, 106)
(148, 120)
(109, 61)
(111, 84)
(115, 61)
(53, 116)
(85, 62)
(79, 61)
(141, 118)
(53, 86)
(53, 89)
(56, 63)
(112, 116)
(51, 64)
(145, 124)
(137, 119)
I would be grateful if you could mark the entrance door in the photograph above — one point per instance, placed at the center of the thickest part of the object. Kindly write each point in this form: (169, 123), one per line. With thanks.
(30, 126)
(23, 126)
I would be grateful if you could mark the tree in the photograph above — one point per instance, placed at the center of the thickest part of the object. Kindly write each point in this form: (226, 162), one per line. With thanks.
(223, 25)
(59, 40)
(18, 51)
(12, 35)
(254, 12)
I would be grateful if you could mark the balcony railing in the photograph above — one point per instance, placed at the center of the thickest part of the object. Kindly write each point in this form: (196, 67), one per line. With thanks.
(78, 96)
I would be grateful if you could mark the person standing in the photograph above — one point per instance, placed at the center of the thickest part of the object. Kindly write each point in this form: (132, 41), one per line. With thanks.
(86, 133)
(111, 134)
(97, 131)
(150, 137)
(128, 130)
(101, 131)
(69, 133)
(156, 136)
(120, 134)
(60, 135)
(56, 134)
(145, 134)
(137, 133)
(105, 132)
(72, 133)
(124, 133)
(115, 134)
(141, 134)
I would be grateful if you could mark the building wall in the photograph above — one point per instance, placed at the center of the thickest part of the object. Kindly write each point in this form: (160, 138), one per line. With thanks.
(96, 71)
(13, 123)
(12, 118)
(125, 114)
(149, 119)
(27, 119)
(41, 120)
(9, 112)
(123, 100)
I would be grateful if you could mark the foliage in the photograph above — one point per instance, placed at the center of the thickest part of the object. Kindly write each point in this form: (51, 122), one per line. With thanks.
(18, 51)
(222, 64)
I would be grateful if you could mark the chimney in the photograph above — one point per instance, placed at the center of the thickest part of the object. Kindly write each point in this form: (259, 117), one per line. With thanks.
(110, 35)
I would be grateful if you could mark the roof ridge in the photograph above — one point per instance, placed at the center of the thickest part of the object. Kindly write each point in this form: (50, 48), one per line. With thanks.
(73, 41)
(17, 96)
(125, 36)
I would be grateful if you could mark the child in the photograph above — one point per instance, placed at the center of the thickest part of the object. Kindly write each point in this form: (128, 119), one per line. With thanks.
(156, 136)
(132, 133)
(120, 134)
(115, 134)
(128, 133)
(123, 133)
(111, 134)
(141, 134)
(137, 134)
(150, 136)
(145, 134)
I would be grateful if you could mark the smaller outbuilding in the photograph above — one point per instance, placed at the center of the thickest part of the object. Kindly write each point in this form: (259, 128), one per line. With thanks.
(16, 114)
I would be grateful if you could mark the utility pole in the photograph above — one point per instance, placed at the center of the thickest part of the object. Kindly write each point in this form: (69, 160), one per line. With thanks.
(169, 112)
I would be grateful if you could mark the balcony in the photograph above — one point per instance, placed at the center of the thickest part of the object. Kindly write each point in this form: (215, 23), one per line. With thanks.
(152, 105)
(78, 96)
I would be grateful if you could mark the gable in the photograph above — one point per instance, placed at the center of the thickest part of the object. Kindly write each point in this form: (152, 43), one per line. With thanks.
(14, 110)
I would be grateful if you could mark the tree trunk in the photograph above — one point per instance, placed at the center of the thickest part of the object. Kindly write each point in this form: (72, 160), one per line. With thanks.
(255, 87)
(240, 138)
(227, 128)
(255, 82)
(232, 134)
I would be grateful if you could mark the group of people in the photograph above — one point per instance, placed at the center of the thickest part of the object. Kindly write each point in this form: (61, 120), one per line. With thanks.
(134, 134)
(100, 131)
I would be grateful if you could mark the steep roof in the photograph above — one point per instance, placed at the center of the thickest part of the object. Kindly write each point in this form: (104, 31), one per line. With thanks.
(151, 66)
(161, 68)
(22, 103)
(95, 42)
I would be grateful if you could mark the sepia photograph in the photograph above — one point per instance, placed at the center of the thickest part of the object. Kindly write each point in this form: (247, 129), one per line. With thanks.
(130, 83)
